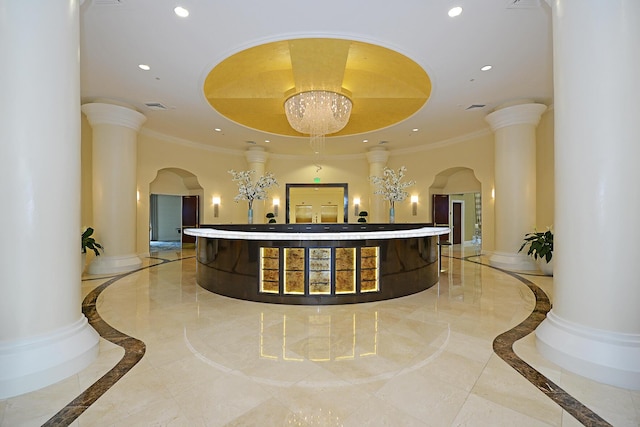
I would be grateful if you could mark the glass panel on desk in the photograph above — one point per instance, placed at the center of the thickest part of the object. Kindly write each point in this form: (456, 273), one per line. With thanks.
(369, 273)
(294, 277)
(270, 270)
(345, 270)
(320, 270)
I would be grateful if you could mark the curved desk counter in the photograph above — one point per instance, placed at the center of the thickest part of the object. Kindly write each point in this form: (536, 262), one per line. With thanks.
(317, 264)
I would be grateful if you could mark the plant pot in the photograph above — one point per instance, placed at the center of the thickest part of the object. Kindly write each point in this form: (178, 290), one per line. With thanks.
(546, 267)
(83, 262)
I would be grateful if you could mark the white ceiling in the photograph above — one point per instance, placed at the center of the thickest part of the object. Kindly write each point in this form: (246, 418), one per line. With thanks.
(514, 36)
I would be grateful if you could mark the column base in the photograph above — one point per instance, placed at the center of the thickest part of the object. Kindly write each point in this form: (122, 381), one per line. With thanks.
(511, 261)
(607, 357)
(114, 264)
(32, 364)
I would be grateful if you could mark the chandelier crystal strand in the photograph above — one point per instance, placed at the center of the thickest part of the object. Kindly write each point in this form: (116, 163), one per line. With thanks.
(318, 113)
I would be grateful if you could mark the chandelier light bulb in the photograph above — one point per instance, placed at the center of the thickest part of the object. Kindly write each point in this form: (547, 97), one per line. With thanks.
(318, 112)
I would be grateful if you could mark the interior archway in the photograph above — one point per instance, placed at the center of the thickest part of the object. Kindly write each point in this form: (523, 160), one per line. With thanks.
(464, 200)
(175, 203)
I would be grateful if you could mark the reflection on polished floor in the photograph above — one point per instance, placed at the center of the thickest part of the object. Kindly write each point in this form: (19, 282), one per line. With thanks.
(422, 360)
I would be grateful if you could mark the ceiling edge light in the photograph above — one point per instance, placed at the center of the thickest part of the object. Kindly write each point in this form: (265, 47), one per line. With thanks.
(181, 12)
(144, 67)
(486, 68)
(455, 11)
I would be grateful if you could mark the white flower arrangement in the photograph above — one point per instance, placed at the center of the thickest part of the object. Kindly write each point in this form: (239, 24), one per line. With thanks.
(390, 186)
(250, 191)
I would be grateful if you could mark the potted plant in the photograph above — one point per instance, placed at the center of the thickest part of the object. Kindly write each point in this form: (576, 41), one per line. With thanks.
(540, 247)
(272, 218)
(89, 242)
(363, 216)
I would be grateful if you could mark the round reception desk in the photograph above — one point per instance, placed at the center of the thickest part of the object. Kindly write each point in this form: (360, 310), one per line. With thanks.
(316, 264)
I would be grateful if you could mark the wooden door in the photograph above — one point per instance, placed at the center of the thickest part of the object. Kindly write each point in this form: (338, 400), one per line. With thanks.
(457, 223)
(441, 213)
(190, 217)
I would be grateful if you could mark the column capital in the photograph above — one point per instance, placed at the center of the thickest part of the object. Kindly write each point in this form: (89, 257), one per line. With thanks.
(377, 155)
(516, 115)
(256, 155)
(100, 113)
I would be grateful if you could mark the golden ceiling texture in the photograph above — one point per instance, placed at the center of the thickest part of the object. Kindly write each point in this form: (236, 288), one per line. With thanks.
(250, 87)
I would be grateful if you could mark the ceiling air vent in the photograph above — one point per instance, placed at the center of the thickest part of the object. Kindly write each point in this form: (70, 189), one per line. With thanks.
(474, 106)
(155, 106)
(523, 4)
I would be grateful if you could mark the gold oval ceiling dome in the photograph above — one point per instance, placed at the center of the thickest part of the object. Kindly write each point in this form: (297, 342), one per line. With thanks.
(251, 87)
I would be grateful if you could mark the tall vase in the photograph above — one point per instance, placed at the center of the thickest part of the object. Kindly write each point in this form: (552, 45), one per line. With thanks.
(392, 215)
(250, 216)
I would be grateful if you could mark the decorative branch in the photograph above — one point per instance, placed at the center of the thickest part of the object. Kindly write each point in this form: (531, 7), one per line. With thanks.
(390, 186)
(250, 191)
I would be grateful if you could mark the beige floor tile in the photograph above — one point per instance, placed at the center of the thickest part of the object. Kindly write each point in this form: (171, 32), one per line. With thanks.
(501, 384)
(477, 411)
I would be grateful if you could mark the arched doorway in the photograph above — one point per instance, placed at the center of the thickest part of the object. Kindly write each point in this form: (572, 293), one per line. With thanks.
(175, 204)
(456, 201)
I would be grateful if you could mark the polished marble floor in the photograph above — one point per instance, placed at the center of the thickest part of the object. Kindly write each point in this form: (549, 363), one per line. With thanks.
(430, 359)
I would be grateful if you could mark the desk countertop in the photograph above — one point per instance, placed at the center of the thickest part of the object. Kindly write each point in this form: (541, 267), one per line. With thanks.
(419, 231)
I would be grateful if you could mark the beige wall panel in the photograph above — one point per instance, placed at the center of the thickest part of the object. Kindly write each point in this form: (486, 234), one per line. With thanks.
(545, 185)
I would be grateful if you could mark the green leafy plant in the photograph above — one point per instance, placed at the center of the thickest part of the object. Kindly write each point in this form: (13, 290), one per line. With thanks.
(89, 242)
(272, 217)
(540, 245)
(363, 216)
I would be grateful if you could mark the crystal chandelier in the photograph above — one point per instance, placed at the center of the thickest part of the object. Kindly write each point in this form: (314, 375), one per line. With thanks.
(318, 113)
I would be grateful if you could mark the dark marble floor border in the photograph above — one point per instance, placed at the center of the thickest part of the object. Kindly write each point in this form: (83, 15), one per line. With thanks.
(503, 347)
(134, 349)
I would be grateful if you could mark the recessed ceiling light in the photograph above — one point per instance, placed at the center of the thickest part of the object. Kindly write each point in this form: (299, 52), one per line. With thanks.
(266, 140)
(455, 11)
(181, 12)
(415, 130)
(144, 67)
(486, 68)
(365, 140)
(218, 130)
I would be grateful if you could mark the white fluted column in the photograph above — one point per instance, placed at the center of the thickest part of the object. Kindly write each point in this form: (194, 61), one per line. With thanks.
(257, 159)
(44, 337)
(594, 326)
(115, 137)
(515, 182)
(378, 207)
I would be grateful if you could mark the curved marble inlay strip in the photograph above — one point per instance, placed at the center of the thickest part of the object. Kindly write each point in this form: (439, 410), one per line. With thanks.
(503, 347)
(134, 349)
